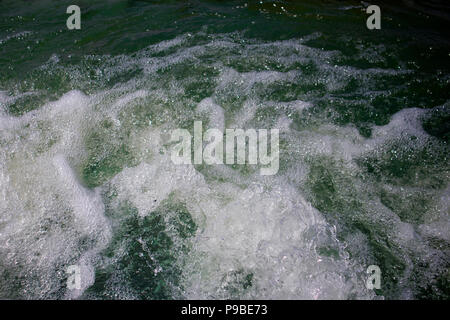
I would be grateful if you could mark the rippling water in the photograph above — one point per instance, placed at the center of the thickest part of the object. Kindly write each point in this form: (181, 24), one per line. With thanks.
(86, 177)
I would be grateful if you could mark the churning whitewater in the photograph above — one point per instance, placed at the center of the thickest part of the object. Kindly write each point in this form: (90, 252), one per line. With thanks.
(87, 179)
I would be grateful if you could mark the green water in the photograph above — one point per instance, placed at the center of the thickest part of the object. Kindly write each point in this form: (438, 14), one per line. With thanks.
(86, 177)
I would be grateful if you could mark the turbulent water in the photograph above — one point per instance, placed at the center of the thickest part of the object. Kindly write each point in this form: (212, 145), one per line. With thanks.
(86, 177)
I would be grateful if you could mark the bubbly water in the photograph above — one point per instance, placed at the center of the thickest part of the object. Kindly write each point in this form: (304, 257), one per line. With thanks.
(86, 177)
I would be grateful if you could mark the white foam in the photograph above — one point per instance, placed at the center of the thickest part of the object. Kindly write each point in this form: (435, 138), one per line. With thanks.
(261, 225)
(215, 112)
(46, 211)
(261, 228)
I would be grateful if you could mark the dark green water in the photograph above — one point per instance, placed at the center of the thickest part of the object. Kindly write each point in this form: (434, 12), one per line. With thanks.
(86, 177)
